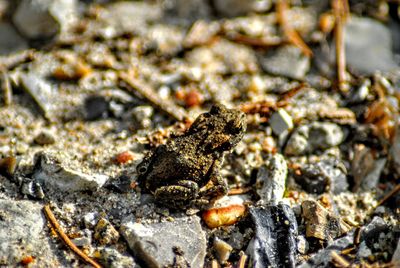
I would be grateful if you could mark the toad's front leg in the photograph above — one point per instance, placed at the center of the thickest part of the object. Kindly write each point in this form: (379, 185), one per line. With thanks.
(220, 186)
(183, 190)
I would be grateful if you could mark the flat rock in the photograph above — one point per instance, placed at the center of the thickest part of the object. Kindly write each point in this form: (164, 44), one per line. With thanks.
(154, 243)
(286, 61)
(280, 122)
(368, 46)
(53, 173)
(44, 18)
(24, 233)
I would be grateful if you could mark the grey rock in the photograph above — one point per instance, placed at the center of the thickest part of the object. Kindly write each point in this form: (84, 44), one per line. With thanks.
(222, 249)
(324, 256)
(127, 17)
(55, 175)
(96, 107)
(110, 257)
(315, 136)
(233, 8)
(363, 251)
(188, 11)
(396, 254)
(368, 45)
(42, 92)
(10, 40)
(271, 179)
(154, 243)
(280, 122)
(23, 233)
(395, 151)
(371, 180)
(327, 175)
(90, 219)
(32, 189)
(44, 18)
(142, 116)
(302, 244)
(286, 61)
(274, 244)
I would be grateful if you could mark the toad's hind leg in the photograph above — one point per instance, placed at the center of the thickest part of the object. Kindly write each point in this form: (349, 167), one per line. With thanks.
(181, 191)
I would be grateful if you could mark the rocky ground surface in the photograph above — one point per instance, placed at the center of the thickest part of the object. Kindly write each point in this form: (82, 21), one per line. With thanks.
(89, 87)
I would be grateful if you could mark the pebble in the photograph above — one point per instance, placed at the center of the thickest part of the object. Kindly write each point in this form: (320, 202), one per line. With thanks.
(274, 243)
(186, 12)
(233, 8)
(8, 166)
(222, 250)
(302, 244)
(90, 219)
(10, 41)
(307, 139)
(326, 175)
(142, 116)
(280, 122)
(323, 257)
(271, 179)
(45, 138)
(320, 223)
(111, 258)
(33, 189)
(37, 19)
(54, 174)
(105, 233)
(96, 107)
(368, 45)
(153, 243)
(127, 18)
(24, 232)
(287, 61)
(42, 92)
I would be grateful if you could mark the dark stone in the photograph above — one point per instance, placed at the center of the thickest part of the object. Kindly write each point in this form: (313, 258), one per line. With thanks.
(274, 244)
(96, 107)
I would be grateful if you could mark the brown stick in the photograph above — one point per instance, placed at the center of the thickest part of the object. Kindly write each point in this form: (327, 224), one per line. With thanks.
(340, 12)
(342, 262)
(292, 36)
(53, 221)
(389, 195)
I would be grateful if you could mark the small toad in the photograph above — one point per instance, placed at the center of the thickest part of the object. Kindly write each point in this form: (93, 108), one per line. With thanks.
(175, 173)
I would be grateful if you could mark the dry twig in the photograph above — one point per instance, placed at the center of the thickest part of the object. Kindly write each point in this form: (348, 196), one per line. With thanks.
(338, 260)
(242, 261)
(340, 11)
(147, 92)
(389, 195)
(292, 36)
(54, 223)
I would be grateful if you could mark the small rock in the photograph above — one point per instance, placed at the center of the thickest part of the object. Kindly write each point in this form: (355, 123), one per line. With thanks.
(85, 240)
(90, 219)
(201, 33)
(110, 257)
(274, 244)
(366, 169)
(33, 189)
(8, 166)
(233, 8)
(287, 61)
(105, 233)
(368, 45)
(37, 19)
(10, 41)
(96, 107)
(127, 18)
(154, 243)
(42, 92)
(302, 244)
(320, 223)
(271, 179)
(280, 122)
(44, 138)
(222, 249)
(327, 175)
(142, 116)
(315, 136)
(51, 172)
(188, 11)
(363, 251)
(323, 257)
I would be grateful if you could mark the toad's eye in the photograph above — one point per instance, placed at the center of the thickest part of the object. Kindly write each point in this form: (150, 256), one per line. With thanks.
(234, 127)
(142, 169)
